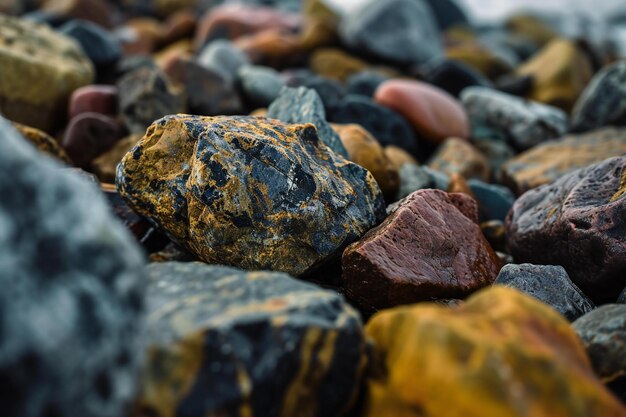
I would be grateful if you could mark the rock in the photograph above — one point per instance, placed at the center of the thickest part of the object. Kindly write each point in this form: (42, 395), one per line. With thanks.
(398, 156)
(434, 114)
(457, 156)
(71, 295)
(302, 105)
(105, 165)
(223, 57)
(387, 126)
(249, 192)
(365, 83)
(553, 159)
(576, 222)
(414, 178)
(603, 103)
(43, 142)
(430, 247)
(95, 11)
(549, 284)
(452, 76)
(447, 13)
(260, 85)
(274, 48)
(494, 232)
(364, 149)
(502, 353)
(249, 342)
(494, 200)
(532, 27)
(89, 135)
(497, 154)
(40, 69)
(603, 332)
(486, 61)
(561, 71)
(521, 123)
(398, 31)
(94, 99)
(336, 64)
(145, 95)
(458, 184)
(179, 25)
(330, 91)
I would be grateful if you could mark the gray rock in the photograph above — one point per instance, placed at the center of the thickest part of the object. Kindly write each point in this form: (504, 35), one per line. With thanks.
(622, 297)
(222, 57)
(494, 200)
(71, 299)
(414, 177)
(365, 83)
(549, 284)
(400, 31)
(500, 116)
(257, 341)
(260, 85)
(497, 153)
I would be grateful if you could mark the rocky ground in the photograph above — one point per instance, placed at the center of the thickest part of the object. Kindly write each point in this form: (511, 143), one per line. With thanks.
(217, 209)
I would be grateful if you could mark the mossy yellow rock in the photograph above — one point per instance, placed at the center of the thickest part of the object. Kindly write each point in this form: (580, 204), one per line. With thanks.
(501, 354)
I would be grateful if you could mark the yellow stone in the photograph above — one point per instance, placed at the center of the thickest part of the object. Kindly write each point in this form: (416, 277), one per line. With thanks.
(44, 142)
(104, 166)
(398, 156)
(532, 28)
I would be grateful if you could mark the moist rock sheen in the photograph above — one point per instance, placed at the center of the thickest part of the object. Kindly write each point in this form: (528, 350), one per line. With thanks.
(576, 222)
(228, 342)
(549, 284)
(71, 297)
(430, 247)
(249, 192)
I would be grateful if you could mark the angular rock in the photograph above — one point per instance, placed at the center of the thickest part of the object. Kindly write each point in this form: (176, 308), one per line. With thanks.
(430, 247)
(501, 353)
(249, 192)
(494, 200)
(223, 340)
(223, 57)
(260, 85)
(71, 296)
(43, 142)
(457, 156)
(88, 136)
(94, 99)
(576, 222)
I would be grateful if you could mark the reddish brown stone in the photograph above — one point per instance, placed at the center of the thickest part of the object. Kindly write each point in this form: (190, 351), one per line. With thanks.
(95, 99)
(181, 25)
(273, 47)
(88, 136)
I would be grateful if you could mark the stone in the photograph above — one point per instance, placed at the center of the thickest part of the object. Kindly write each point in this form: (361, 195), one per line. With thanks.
(43, 142)
(576, 222)
(223, 340)
(429, 247)
(494, 200)
(336, 64)
(89, 135)
(146, 94)
(414, 178)
(433, 113)
(93, 11)
(179, 25)
(494, 232)
(486, 61)
(497, 154)
(274, 48)
(457, 156)
(398, 156)
(398, 31)
(603, 102)
(532, 27)
(72, 297)
(303, 105)
(364, 149)
(501, 353)
(603, 332)
(553, 159)
(105, 165)
(458, 184)
(223, 57)
(452, 76)
(249, 192)
(387, 126)
(94, 99)
(260, 85)
(549, 284)
(519, 122)
(365, 83)
(40, 69)
(139, 36)
(447, 13)
(560, 71)
(330, 91)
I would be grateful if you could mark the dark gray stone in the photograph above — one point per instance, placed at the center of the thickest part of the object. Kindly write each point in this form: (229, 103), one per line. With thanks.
(365, 83)
(622, 297)
(330, 91)
(495, 200)
(99, 45)
(447, 13)
(260, 85)
(414, 177)
(452, 76)
(497, 153)
(222, 57)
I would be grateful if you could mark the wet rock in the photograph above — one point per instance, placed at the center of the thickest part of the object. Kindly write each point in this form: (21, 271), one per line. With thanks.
(457, 156)
(71, 295)
(452, 76)
(105, 165)
(94, 99)
(553, 159)
(516, 351)
(89, 135)
(521, 123)
(249, 192)
(365, 83)
(576, 222)
(398, 156)
(43, 142)
(494, 200)
(260, 85)
(549, 284)
(223, 57)
(248, 342)
(414, 178)
(494, 232)
(429, 247)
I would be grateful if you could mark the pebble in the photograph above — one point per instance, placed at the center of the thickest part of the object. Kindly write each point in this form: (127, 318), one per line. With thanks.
(223, 57)
(330, 91)
(414, 178)
(43, 142)
(94, 99)
(398, 156)
(494, 232)
(494, 200)
(452, 76)
(260, 85)
(89, 135)
(105, 165)
(336, 64)
(457, 156)
(365, 83)
(448, 13)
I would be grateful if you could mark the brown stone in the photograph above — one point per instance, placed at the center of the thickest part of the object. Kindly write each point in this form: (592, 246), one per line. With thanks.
(44, 142)
(457, 156)
(480, 58)
(104, 166)
(95, 99)
(140, 36)
(398, 156)
(89, 135)
(96, 11)
(458, 184)
(339, 65)
(180, 25)
(531, 27)
(273, 47)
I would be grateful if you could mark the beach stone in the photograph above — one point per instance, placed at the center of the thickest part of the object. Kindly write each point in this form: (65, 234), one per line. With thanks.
(458, 184)
(398, 156)
(105, 165)
(94, 11)
(497, 154)
(94, 99)
(521, 123)
(40, 69)
(274, 48)
(303, 105)
(146, 94)
(549, 284)
(457, 156)
(247, 342)
(336, 64)
(223, 57)
(553, 159)
(485, 60)
(452, 76)
(532, 27)
(516, 351)
(364, 149)
(71, 297)
(447, 13)
(260, 85)
(575, 222)
(494, 200)
(330, 91)
(414, 178)
(398, 31)
(494, 232)
(365, 83)
(249, 192)
(179, 25)
(603, 103)
(89, 135)
(43, 142)
(434, 114)
(429, 247)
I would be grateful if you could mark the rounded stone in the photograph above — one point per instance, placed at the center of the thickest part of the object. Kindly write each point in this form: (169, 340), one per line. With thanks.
(458, 156)
(365, 83)
(89, 135)
(222, 57)
(260, 85)
(94, 99)
(99, 44)
(452, 76)
(398, 156)
(105, 165)
(43, 142)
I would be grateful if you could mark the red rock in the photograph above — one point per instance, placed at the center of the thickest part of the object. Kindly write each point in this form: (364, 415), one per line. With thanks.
(89, 135)
(430, 247)
(434, 113)
(95, 99)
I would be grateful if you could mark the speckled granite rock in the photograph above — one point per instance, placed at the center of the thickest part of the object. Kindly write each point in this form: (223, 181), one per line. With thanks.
(229, 342)
(458, 156)
(42, 141)
(249, 192)
(71, 296)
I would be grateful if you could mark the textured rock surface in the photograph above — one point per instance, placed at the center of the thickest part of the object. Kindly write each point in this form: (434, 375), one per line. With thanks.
(249, 192)
(553, 159)
(228, 342)
(576, 222)
(457, 156)
(42, 141)
(71, 297)
(549, 284)
(501, 354)
(430, 247)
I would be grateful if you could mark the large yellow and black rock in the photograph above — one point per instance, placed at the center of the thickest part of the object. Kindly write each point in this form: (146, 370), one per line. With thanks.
(225, 342)
(249, 192)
